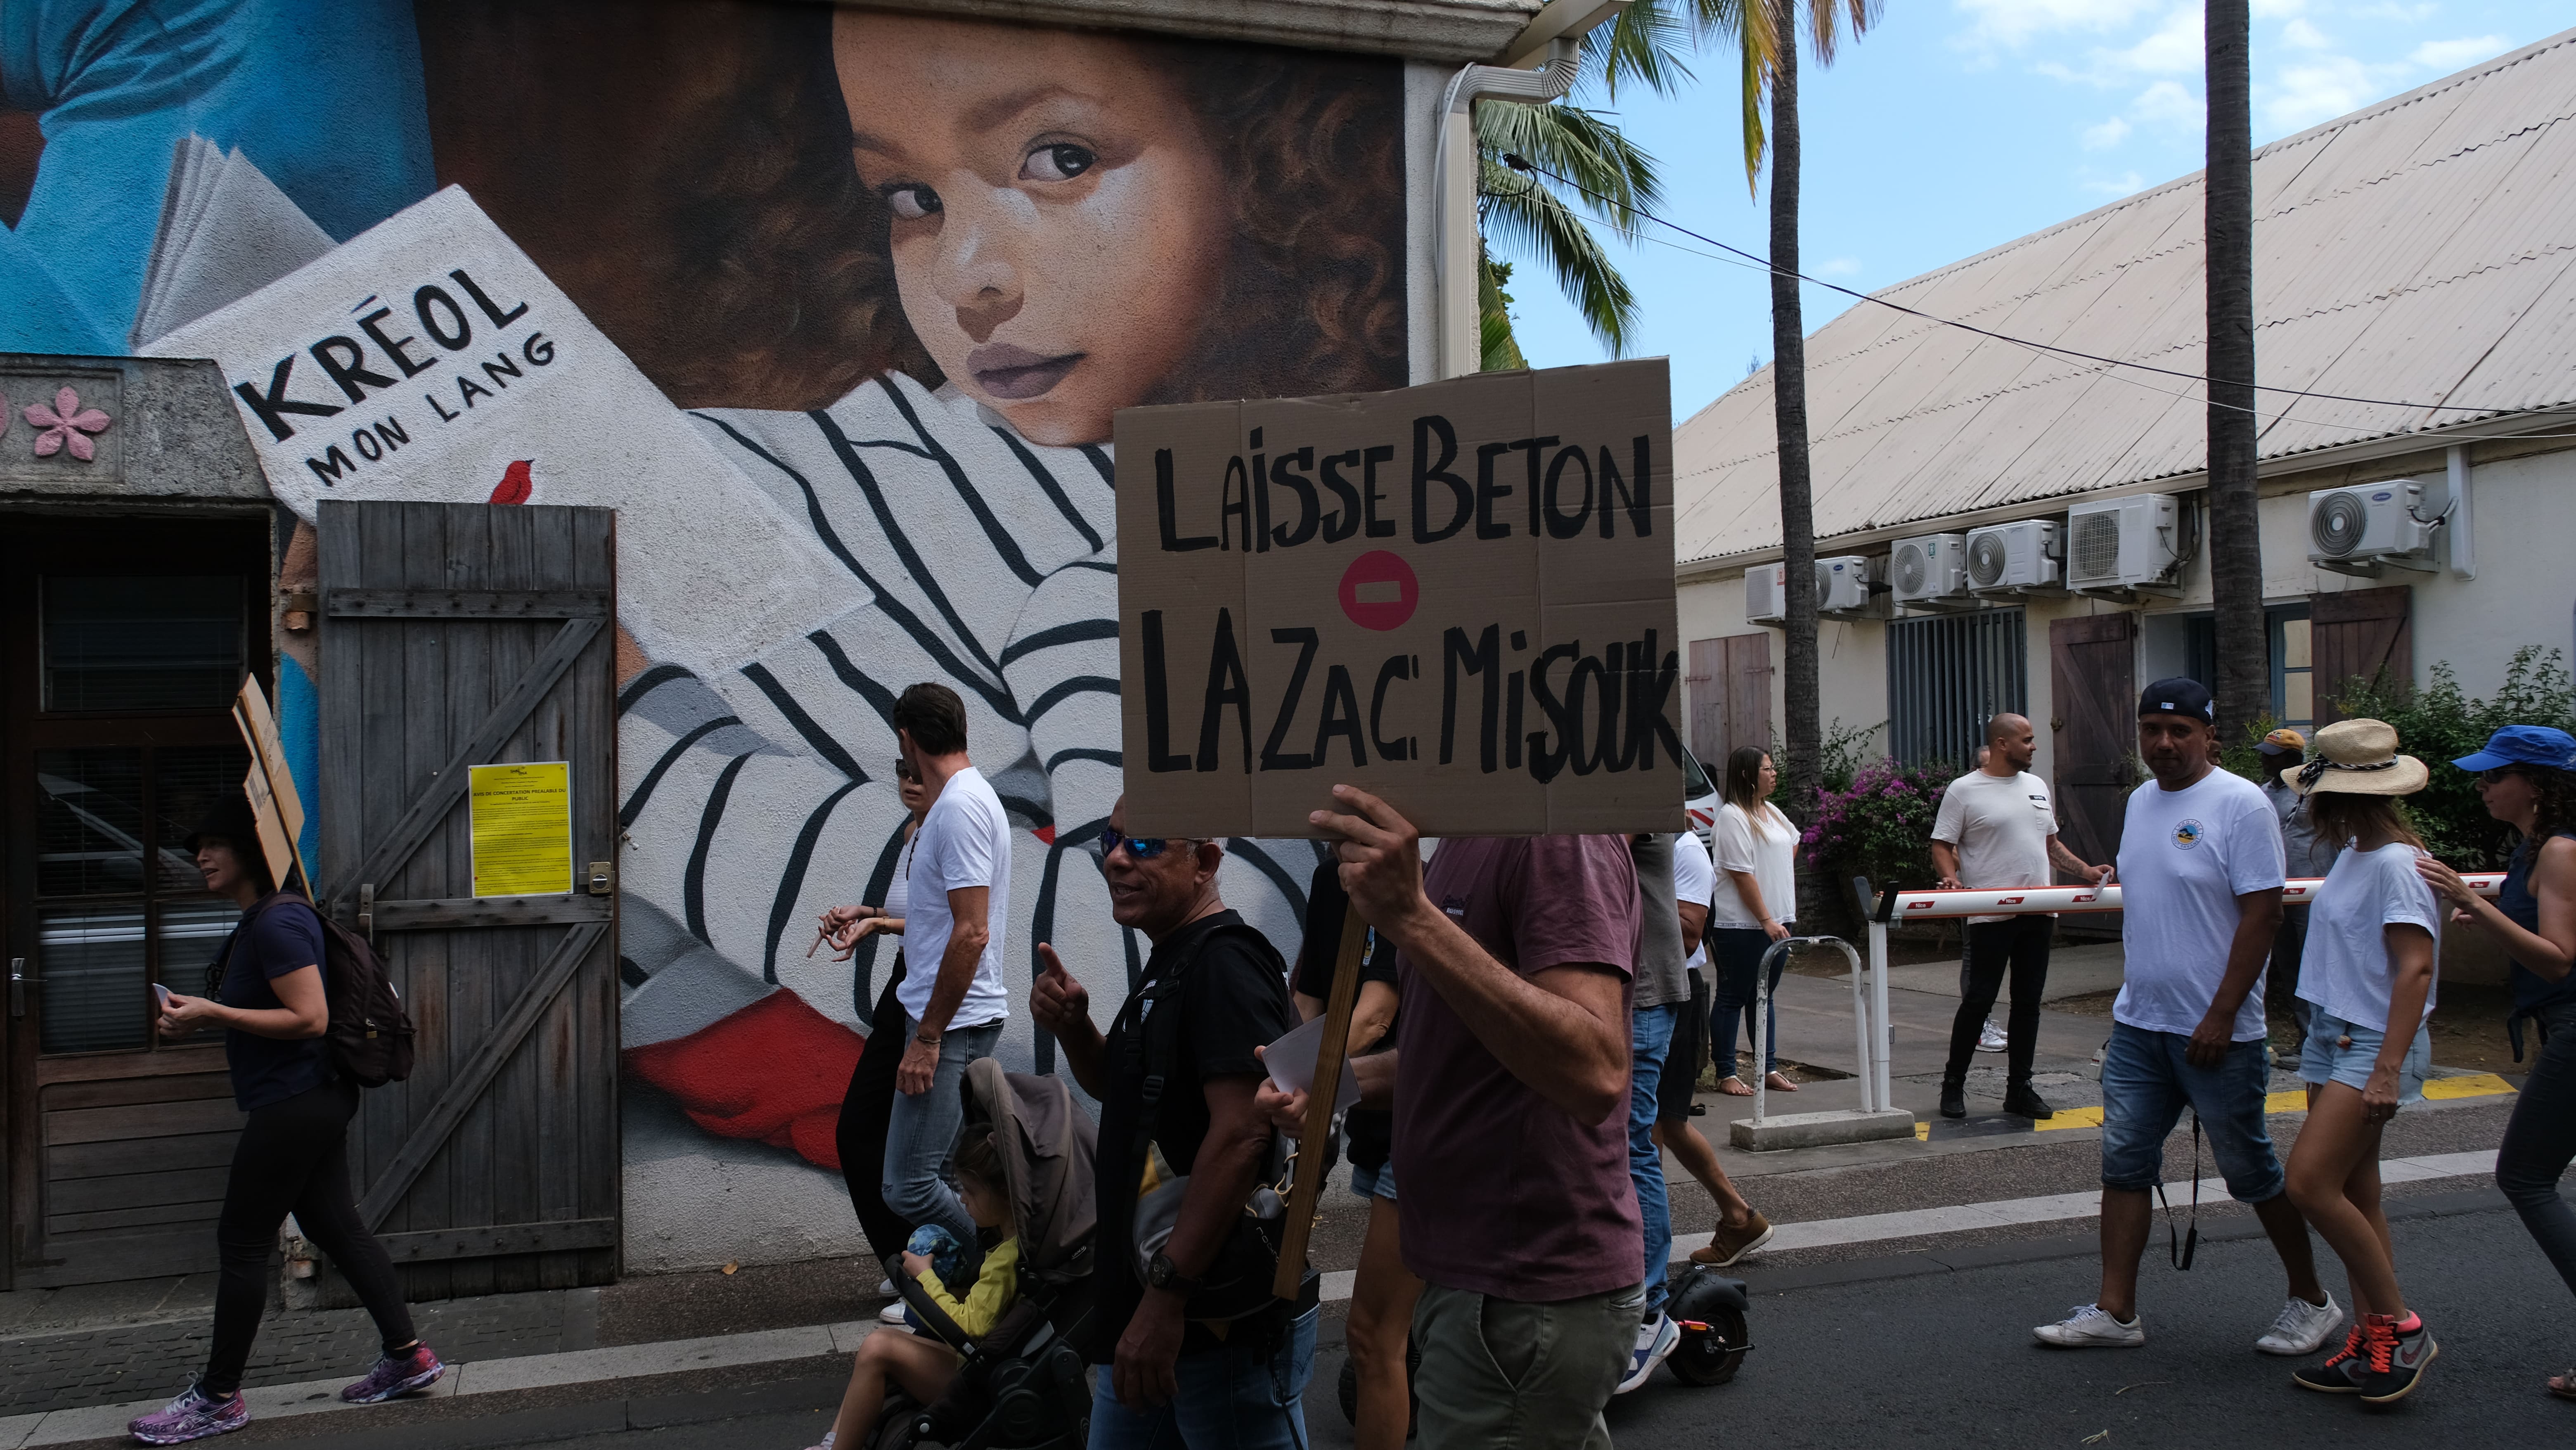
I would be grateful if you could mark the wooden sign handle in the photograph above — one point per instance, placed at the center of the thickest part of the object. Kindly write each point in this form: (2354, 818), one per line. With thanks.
(1309, 1187)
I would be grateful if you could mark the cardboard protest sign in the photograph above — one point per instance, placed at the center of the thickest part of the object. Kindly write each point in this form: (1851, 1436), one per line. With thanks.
(274, 803)
(1459, 596)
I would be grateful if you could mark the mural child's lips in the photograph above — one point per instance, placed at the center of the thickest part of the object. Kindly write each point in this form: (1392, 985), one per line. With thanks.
(1011, 372)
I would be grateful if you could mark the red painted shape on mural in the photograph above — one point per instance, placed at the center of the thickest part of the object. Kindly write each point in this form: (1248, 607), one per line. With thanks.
(774, 1072)
(515, 485)
(1044, 833)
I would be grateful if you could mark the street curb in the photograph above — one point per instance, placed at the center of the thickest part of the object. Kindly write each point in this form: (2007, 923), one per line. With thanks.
(2068, 1246)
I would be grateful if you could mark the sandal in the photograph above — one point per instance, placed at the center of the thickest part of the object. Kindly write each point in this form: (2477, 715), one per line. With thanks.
(2562, 1385)
(1734, 1087)
(1780, 1082)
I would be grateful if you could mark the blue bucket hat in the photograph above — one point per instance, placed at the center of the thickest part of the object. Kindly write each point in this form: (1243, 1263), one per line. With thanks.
(2539, 745)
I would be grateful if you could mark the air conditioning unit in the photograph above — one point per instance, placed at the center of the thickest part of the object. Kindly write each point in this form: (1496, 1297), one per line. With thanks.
(2125, 545)
(1930, 572)
(1766, 596)
(2356, 530)
(1848, 587)
(2015, 558)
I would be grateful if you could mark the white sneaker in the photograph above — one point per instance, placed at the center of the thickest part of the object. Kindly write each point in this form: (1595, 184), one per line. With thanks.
(891, 1314)
(1656, 1340)
(885, 1288)
(2090, 1326)
(1990, 1038)
(2302, 1328)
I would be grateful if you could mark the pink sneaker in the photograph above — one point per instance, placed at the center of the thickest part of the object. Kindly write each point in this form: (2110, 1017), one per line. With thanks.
(417, 1369)
(192, 1416)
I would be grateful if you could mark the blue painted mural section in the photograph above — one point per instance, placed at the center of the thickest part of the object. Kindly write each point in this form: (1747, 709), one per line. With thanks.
(299, 729)
(326, 99)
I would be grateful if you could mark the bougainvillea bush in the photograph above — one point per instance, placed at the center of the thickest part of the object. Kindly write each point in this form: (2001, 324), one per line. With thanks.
(1879, 827)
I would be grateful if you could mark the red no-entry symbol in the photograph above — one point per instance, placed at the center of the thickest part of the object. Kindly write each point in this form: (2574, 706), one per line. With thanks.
(1379, 591)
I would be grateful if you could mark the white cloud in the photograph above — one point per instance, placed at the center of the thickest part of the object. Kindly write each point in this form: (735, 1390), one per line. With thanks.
(2451, 55)
(2326, 88)
(2109, 134)
(2300, 35)
(2275, 9)
(2120, 185)
(2167, 103)
(1839, 267)
(2172, 48)
(2012, 22)
(2399, 14)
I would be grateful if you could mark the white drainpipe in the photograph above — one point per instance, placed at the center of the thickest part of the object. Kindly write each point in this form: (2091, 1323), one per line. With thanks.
(2456, 532)
(1562, 25)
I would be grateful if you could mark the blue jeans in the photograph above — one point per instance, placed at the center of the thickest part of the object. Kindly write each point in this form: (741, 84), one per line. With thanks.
(1244, 1395)
(922, 1131)
(1736, 952)
(1650, 1040)
(2147, 1082)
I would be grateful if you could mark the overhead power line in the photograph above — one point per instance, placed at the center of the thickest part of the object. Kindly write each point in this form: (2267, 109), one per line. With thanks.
(1521, 163)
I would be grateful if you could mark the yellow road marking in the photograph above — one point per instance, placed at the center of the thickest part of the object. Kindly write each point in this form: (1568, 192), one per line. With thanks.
(1922, 1132)
(2472, 1085)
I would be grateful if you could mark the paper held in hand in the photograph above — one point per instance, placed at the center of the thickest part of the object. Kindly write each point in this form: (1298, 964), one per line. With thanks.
(1291, 1061)
(1457, 596)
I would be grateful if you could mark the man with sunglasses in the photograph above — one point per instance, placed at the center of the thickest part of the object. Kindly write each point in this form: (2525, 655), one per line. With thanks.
(1177, 1071)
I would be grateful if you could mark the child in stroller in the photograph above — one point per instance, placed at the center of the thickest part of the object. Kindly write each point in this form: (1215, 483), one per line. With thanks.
(997, 1369)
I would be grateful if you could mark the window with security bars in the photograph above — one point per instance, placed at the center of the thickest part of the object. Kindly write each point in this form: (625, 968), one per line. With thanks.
(1946, 677)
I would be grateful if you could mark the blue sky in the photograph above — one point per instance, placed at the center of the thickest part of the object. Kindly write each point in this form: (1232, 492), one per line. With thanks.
(1960, 124)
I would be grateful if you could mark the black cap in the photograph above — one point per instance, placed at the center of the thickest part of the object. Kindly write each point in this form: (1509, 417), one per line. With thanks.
(2178, 696)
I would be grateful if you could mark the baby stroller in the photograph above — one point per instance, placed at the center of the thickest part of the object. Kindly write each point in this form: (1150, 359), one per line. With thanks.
(1025, 1385)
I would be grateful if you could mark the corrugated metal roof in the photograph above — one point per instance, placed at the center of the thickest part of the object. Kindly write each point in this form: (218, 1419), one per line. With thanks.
(2421, 250)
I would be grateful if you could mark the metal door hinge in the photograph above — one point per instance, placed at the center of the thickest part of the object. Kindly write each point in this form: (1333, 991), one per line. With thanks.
(18, 980)
(367, 911)
(603, 878)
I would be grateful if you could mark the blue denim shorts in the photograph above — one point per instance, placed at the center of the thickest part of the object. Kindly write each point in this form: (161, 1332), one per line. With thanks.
(2326, 1057)
(1378, 1182)
(2147, 1082)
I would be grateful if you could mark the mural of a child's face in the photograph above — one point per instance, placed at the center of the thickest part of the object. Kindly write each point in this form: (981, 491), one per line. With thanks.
(1060, 224)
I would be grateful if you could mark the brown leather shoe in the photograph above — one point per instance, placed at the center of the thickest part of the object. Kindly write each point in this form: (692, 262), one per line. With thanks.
(1729, 1244)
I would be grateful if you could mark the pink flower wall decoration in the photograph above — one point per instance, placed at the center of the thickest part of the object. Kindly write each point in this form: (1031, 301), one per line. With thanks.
(67, 425)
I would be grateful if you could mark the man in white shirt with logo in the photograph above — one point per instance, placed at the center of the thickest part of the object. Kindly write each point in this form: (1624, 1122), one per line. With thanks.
(1997, 829)
(957, 870)
(2200, 882)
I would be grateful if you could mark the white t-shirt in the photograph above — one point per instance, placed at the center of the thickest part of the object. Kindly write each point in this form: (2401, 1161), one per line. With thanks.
(964, 841)
(2185, 856)
(1694, 881)
(1769, 855)
(2345, 969)
(2000, 825)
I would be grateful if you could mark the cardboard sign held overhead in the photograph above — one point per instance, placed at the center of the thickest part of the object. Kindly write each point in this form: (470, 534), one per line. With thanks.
(1459, 596)
(274, 803)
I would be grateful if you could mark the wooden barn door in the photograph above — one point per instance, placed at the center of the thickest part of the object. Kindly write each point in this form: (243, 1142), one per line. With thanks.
(1730, 697)
(2358, 634)
(458, 635)
(2093, 693)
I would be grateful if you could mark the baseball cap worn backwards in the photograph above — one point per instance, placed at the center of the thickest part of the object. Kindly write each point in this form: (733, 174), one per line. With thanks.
(2178, 696)
(2539, 745)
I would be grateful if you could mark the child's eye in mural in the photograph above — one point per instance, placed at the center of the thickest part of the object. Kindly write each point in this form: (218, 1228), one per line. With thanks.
(1062, 224)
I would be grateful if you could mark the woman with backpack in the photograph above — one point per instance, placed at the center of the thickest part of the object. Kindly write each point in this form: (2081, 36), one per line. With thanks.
(2527, 778)
(265, 989)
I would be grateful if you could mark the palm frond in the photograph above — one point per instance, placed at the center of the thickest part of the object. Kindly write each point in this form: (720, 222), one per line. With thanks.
(1520, 213)
(1580, 145)
(1643, 45)
(1827, 19)
(1501, 351)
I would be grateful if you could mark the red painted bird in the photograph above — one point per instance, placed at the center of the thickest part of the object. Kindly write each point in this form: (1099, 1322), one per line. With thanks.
(515, 485)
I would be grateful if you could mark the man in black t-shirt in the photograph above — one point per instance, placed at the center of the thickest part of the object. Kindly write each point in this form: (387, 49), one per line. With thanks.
(1240, 1383)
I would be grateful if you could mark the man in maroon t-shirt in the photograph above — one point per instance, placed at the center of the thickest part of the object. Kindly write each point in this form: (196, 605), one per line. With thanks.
(1510, 1086)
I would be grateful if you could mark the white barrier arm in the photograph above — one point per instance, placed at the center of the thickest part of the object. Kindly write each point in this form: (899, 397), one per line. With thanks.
(2074, 900)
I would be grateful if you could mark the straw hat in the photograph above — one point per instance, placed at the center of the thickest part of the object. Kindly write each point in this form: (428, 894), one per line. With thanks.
(2358, 757)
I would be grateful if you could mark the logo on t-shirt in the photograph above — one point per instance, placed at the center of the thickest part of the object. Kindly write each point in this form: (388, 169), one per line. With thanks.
(2188, 833)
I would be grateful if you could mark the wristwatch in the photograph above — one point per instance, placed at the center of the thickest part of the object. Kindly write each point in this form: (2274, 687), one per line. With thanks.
(1162, 1273)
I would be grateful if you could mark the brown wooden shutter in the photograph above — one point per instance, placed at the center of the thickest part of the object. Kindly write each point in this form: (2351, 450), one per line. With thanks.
(1704, 682)
(1730, 696)
(2359, 634)
(457, 635)
(2093, 700)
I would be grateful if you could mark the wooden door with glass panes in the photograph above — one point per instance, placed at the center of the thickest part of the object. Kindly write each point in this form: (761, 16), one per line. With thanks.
(122, 641)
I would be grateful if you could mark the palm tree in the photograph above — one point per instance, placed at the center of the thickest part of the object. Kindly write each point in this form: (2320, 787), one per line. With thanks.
(1805, 736)
(2235, 545)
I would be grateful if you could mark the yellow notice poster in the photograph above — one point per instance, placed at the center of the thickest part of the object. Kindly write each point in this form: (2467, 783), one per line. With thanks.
(522, 828)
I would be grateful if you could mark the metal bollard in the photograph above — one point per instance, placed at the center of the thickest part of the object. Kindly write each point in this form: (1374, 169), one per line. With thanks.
(1873, 1084)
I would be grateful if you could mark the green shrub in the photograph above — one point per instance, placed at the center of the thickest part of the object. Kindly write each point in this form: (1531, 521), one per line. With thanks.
(2439, 723)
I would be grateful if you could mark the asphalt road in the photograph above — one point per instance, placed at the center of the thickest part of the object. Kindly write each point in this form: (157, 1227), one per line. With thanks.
(1914, 1349)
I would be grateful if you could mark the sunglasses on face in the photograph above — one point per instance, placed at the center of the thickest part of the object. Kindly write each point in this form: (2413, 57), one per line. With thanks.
(1143, 848)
